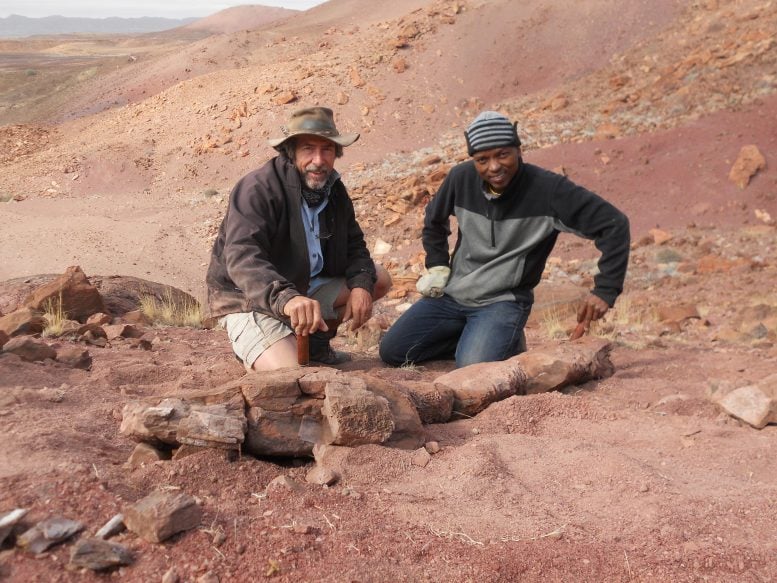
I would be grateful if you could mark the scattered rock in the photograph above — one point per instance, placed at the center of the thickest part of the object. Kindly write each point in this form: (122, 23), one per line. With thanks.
(421, 458)
(160, 515)
(753, 404)
(145, 453)
(99, 555)
(747, 164)
(283, 482)
(322, 476)
(8, 520)
(114, 526)
(432, 447)
(74, 357)
(22, 321)
(48, 533)
(29, 349)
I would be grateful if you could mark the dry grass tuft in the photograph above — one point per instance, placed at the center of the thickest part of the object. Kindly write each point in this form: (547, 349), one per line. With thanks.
(55, 317)
(554, 323)
(169, 311)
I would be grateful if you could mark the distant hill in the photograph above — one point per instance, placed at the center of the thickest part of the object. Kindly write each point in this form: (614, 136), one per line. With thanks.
(236, 18)
(16, 26)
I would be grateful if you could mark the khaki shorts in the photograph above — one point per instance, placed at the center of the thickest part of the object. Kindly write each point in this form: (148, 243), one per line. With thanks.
(251, 333)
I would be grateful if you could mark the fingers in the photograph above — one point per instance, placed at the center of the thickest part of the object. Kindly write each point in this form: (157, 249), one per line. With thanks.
(358, 309)
(304, 315)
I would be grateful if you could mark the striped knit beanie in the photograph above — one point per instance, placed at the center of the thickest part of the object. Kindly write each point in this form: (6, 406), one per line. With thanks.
(491, 130)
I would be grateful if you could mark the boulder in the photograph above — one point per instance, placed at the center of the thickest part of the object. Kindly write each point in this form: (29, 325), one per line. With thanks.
(71, 292)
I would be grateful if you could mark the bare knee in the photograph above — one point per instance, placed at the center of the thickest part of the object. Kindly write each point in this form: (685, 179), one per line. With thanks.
(383, 283)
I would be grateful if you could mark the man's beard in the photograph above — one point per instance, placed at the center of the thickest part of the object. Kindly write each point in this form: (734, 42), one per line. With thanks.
(316, 183)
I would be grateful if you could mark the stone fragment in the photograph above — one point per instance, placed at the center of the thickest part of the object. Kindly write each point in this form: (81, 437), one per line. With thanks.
(747, 164)
(145, 453)
(114, 331)
(114, 526)
(283, 482)
(99, 319)
(153, 424)
(432, 447)
(99, 555)
(752, 405)
(186, 450)
(72, 292)
(408, 431)
(48, 533)
(8, 520)
(29, 349)
(421, 458)
(137, 317)
(74, 357)
(355, 415)
(566, 364)
(322, 476)
(476, 386)
(160, 515)
(22, 321)
(212, 426)
(171, 576)
(660, 236)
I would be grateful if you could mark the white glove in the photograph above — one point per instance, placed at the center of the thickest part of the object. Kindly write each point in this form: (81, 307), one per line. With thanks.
(432, 284)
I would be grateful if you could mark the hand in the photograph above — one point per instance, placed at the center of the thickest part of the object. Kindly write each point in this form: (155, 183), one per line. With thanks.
(590, 310)
(432, 284)
(358, 309)
(305, 315)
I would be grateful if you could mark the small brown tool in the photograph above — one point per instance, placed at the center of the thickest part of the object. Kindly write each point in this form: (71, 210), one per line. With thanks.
(579, 331)
(303, 350)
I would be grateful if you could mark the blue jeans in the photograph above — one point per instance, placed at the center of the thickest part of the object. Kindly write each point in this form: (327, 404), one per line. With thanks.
(441, 328)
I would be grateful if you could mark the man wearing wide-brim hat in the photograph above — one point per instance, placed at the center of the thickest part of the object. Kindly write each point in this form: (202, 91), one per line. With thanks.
(290, 258)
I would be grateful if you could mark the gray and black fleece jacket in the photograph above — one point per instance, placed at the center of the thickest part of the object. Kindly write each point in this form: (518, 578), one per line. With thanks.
(503, 244)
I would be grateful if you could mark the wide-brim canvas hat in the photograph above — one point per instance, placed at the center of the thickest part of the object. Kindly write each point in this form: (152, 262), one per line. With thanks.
(313, 121)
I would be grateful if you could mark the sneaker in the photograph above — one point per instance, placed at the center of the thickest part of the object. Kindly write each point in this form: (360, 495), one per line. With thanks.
(322, 353)
(330, 357)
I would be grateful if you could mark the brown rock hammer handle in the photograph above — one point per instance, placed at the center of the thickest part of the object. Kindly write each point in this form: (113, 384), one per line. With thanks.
(303, 350)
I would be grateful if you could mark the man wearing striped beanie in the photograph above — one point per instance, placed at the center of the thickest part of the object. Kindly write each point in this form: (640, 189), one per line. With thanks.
(509, 213)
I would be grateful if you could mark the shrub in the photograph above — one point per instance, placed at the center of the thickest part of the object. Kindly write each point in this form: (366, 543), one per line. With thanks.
(169, 311)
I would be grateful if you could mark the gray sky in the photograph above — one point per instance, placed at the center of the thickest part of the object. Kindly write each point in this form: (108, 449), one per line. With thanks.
(134, 8)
